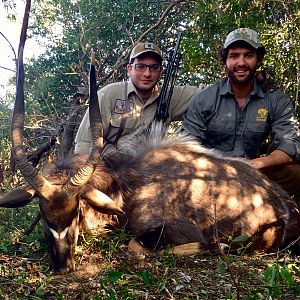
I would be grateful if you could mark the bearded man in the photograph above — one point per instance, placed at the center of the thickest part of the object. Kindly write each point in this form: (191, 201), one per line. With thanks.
(237, 114)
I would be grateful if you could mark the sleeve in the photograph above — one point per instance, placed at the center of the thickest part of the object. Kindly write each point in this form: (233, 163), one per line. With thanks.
(180, 101)
(285, 126)
(83, 137)
(194, 122)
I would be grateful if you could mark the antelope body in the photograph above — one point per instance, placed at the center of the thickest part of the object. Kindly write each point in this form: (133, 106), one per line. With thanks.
(169, 191)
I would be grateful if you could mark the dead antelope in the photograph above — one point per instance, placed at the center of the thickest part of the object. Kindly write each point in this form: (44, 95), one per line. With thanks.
(172, 192)
(169, 191)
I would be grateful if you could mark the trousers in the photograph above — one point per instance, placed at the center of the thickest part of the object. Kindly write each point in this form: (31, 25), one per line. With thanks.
(287, 176)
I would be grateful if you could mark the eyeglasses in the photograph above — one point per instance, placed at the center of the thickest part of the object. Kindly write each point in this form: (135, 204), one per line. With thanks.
(143, 67)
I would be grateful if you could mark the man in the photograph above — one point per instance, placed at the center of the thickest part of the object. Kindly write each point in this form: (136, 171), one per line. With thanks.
(129, 107)
(236, 115)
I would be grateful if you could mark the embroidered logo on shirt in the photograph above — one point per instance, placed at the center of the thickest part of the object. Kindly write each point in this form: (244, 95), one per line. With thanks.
(120, 106)
(262, 115)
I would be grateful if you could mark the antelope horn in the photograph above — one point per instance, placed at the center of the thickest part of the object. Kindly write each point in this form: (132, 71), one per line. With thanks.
(84, 173)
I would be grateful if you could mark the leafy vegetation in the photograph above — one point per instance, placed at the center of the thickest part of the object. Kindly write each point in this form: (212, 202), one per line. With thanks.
(106, 269)
(70, 29)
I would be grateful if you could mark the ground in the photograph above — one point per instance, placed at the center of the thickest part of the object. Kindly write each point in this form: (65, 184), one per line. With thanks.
(107, 270)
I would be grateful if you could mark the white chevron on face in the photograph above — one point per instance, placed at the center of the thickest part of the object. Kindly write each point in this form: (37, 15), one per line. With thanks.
(61, 235)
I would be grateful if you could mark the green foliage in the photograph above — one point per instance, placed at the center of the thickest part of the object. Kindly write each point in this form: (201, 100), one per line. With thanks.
(168, 259)
(10, 7)
(146, 276)
(108, 244)
(5, 113)
(275, 279)
(73, 28)
(277, 23)
(280, 274)
(13, 222)
(5, 172)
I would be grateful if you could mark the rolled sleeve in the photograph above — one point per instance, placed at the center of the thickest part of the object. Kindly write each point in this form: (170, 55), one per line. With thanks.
(181, 99)
(193, 120)
(285, 127)
(83, 136)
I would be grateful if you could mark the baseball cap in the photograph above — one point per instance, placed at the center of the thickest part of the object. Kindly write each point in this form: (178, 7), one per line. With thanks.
(141, 48)
(243, 34)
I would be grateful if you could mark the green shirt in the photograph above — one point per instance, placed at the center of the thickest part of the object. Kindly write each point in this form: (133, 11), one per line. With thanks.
(111, 102)
(215, 118)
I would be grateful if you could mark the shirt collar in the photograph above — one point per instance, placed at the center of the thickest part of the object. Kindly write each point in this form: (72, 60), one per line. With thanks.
(226, 88)
(131, 88)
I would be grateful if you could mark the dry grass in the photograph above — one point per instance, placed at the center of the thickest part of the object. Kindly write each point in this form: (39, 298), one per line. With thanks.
(107, 270)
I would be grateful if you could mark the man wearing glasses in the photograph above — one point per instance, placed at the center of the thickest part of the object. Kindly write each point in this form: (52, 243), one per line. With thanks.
(129, 107)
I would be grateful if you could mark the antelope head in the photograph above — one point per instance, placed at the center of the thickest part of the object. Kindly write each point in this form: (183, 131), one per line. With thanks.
(58, 195)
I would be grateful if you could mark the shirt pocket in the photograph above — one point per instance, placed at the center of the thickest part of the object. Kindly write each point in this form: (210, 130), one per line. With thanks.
(221, 135)
(256, 129)
(221, 125)
(255, 133)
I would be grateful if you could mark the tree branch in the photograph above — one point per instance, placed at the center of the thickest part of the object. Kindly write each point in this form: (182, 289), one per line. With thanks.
(12, 48)
(124, 58)
(23, 35)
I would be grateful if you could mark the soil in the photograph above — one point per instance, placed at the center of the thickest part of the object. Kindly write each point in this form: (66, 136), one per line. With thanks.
(119, 274)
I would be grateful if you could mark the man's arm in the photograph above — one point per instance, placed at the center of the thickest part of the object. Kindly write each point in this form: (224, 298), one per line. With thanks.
(285, 129)
(180, 101)
(275, 158)
(194, 122)
(83, 136)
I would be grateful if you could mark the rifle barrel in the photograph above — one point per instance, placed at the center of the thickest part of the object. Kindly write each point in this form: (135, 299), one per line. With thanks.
(169, 82)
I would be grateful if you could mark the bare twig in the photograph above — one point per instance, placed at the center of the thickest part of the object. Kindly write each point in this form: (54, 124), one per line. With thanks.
(10, 45)
(30, 228)
(8, 69)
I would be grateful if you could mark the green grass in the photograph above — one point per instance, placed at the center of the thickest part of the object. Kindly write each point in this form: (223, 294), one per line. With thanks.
(107, 270)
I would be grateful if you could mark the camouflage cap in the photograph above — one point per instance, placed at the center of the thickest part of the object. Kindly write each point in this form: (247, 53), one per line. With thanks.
(141, 48)
(243, 34)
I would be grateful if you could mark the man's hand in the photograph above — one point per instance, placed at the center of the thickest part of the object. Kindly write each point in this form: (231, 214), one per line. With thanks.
(275, 158)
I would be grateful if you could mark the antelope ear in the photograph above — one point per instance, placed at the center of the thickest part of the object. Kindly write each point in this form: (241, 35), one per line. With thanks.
(101, 202)
(18, 197)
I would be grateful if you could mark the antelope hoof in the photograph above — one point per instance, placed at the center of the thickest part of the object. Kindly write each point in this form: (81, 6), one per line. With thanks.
(187, 249)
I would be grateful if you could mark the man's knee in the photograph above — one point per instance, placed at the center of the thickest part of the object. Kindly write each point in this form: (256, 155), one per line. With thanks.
(288, 177)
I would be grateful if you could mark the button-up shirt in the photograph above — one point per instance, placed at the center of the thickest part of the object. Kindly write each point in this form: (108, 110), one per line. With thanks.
(215, 118)
(112, 105)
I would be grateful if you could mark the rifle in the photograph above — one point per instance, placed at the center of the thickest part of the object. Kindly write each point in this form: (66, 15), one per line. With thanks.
(162, 110)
